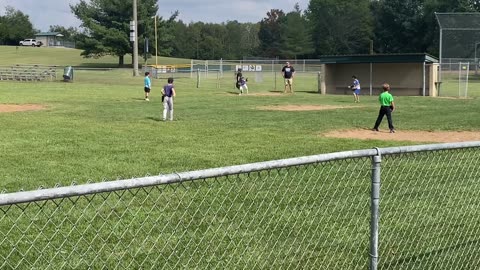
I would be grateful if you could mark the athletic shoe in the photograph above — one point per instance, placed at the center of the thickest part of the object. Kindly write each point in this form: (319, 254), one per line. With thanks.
(147, 99)
(392, 130)
(374, 129)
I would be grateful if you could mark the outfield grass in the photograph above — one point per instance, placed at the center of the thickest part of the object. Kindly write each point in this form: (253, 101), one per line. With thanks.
(100, 128)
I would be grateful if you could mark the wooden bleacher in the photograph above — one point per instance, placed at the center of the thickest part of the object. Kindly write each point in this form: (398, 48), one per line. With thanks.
(28, 73)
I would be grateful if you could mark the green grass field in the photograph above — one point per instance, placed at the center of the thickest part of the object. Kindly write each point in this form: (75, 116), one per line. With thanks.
(100, 128)
(95, 126)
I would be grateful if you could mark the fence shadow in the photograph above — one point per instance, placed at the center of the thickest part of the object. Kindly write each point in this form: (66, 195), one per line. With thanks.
(426, 255)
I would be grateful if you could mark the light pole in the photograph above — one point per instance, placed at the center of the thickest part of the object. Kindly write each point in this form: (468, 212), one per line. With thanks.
(476, 60)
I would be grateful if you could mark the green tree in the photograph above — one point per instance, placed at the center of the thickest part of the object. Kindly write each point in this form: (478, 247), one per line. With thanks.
(15, 26)
(340, 26)
(106, 24)
(270, 33)
(410, 25)
(183, 42)
(296, 37)
(250, 39)
(234, 47)
(399, 26)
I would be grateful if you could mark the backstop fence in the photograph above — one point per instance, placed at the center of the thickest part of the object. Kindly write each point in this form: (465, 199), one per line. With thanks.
(459, 44)
(314, 212)
(264, 74)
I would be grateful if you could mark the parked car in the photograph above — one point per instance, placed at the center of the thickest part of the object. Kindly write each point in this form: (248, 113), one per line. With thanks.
(30, 42)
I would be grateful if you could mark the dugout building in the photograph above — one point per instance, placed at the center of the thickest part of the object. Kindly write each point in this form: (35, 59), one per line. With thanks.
(407, 74)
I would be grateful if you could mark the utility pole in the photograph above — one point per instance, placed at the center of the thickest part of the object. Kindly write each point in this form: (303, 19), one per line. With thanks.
(135, 41)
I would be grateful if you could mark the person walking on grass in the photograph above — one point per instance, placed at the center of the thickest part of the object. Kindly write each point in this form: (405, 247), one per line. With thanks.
(148, 85)
(355, 87)
(168, 93)
(288, 72)
(387, 106)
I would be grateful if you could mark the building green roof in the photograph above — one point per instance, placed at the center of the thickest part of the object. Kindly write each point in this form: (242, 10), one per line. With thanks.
(378, 58)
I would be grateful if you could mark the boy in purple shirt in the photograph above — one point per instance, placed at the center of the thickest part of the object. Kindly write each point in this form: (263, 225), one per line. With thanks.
(168, 93)
(243, 85)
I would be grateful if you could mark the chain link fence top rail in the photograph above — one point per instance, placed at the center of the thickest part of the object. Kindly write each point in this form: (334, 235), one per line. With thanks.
(302, 213)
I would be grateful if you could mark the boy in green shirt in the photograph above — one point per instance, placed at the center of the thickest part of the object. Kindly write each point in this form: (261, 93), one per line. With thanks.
(387, 106)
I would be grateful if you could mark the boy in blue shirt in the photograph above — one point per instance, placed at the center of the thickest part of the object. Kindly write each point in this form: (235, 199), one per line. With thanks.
(148, 85)
(355, 89)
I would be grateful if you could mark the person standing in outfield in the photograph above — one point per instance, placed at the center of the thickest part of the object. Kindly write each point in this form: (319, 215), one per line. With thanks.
(288, 72)
(387, 106)
(168, 93)
(243, 85)
(355, 89)
(148, 85)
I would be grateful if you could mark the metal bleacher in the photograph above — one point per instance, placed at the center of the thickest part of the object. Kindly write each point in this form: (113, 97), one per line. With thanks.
(28, 73)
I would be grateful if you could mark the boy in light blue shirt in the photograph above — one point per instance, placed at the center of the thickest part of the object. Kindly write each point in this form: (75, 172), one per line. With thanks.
(148, 85)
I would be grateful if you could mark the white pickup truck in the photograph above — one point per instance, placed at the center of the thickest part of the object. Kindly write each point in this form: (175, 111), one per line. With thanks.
(31, 42)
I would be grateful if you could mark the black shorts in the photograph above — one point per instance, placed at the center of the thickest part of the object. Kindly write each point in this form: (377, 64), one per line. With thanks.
(147, 90)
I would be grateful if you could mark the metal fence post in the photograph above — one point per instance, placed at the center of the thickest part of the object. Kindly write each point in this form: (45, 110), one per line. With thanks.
(374, 210)
(198, 78)
(275, 81)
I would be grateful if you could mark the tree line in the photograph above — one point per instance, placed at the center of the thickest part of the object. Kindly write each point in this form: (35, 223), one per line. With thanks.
(326, 27)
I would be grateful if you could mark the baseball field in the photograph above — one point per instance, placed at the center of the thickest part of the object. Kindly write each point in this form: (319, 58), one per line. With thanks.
(99, 127)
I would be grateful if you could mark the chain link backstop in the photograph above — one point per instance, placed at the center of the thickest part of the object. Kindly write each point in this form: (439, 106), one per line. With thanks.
(315, 212)
(459, 46)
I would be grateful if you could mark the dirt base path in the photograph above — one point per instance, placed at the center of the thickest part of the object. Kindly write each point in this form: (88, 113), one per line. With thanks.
(4, 108)
(407, 135)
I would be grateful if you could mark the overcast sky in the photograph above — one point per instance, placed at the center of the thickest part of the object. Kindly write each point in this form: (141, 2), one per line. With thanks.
(44, 13)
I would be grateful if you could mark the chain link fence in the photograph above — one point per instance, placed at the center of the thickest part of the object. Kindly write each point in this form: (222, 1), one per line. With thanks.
(316, 212)
(459, 46)
(262, 75)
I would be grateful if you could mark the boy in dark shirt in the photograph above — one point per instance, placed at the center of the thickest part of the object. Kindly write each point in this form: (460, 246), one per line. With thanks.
(168, 93)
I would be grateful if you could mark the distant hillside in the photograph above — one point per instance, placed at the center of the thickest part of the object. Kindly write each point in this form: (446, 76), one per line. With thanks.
(11, 55)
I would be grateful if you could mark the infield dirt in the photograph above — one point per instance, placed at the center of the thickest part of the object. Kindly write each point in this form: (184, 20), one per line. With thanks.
(5, 108)
(406, 135)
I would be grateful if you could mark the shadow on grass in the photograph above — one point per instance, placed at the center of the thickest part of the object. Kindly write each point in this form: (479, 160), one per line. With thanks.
(156, 119)
(434, 253)
(233, 93)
